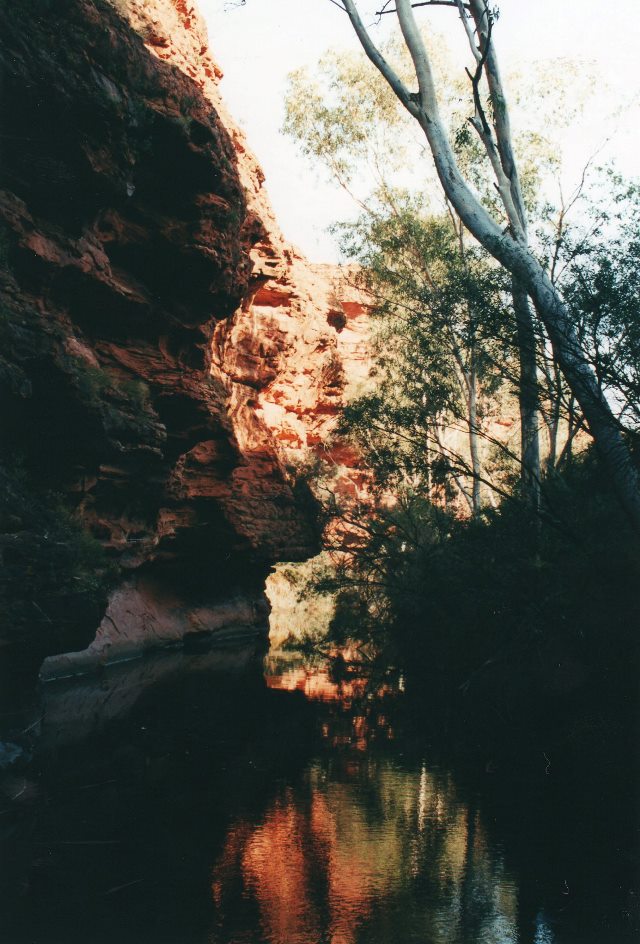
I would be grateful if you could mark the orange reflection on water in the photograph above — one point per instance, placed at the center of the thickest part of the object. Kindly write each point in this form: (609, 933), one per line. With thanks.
(357, 701)
(317, 685)
(307, 869)
(356, 831)
(327, 853)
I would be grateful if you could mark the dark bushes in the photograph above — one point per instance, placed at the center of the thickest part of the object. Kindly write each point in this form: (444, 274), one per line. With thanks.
(512, 616)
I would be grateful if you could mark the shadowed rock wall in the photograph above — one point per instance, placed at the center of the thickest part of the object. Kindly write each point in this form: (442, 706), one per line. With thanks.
(166, 357)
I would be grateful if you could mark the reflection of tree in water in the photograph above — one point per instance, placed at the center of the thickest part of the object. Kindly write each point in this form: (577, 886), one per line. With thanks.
(360, 850)
(354, 696)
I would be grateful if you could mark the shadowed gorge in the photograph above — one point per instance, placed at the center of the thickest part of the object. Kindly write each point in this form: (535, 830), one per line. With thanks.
(318, 583)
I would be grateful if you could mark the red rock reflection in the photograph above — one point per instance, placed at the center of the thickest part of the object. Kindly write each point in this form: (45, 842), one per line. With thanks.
(357, 701)
(317, 685)
(354, 831)
(275, 867)
(307, 870)
(310, 864)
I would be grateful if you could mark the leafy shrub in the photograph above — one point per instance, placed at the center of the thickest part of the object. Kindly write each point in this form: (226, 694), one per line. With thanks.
(52, 570)
(505, 607)
(96, 383)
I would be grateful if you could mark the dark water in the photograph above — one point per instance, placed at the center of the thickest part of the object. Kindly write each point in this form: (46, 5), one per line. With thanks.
(197, 799)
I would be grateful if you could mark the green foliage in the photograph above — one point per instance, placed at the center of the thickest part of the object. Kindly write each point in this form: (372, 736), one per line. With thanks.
(137, 393)
(503, 590)
(394, 539)
(442, 330)
(95, 384)
(333, 116)
(524, 611)
(601, 281)
(504, 607)
(50, 565)
(345, 118)
(92, 382)
(123, 405)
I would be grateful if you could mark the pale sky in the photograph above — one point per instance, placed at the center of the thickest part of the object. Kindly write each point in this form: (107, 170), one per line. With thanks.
(258, 44)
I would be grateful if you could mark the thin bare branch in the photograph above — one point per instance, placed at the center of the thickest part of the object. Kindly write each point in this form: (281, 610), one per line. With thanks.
(483, 20)
(475, 51)
(424, 3)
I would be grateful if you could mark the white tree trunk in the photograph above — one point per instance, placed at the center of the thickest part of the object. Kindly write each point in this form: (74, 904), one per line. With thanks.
(510, 252)
(474, 445)
(528, 396)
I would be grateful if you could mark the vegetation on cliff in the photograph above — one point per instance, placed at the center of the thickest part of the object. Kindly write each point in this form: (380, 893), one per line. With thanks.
(54, 576)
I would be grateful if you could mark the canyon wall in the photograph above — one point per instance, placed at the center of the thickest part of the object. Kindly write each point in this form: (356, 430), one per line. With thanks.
(167, 359)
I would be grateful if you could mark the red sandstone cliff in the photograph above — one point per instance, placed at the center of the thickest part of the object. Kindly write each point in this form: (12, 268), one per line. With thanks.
(167, 357)
(297, 345)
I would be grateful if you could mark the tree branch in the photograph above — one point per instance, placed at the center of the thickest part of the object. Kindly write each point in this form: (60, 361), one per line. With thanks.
(378, 59)
(420, 57)
(477, 55)
(424, 3)
(484, 28)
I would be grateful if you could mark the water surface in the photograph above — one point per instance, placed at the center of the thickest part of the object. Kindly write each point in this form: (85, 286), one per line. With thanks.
(218, 799)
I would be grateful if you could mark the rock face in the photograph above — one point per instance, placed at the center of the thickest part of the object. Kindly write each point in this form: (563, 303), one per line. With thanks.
(294, 352)
(166, 357)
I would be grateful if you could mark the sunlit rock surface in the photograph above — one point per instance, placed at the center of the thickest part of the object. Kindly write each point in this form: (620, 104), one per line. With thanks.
(142, 615)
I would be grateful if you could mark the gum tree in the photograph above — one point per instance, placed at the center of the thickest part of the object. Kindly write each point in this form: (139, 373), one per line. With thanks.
(351, 125)
(508, 244)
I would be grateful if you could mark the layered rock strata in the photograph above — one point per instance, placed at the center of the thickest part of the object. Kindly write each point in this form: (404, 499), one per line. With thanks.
(167, 359)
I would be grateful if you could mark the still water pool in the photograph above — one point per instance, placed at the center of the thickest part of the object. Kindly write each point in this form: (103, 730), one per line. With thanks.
(225, 799)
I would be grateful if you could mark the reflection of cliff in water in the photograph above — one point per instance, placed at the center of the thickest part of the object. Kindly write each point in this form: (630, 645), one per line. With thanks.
(75, 710)
(109, 833)
(360, 849)
(367, 852)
